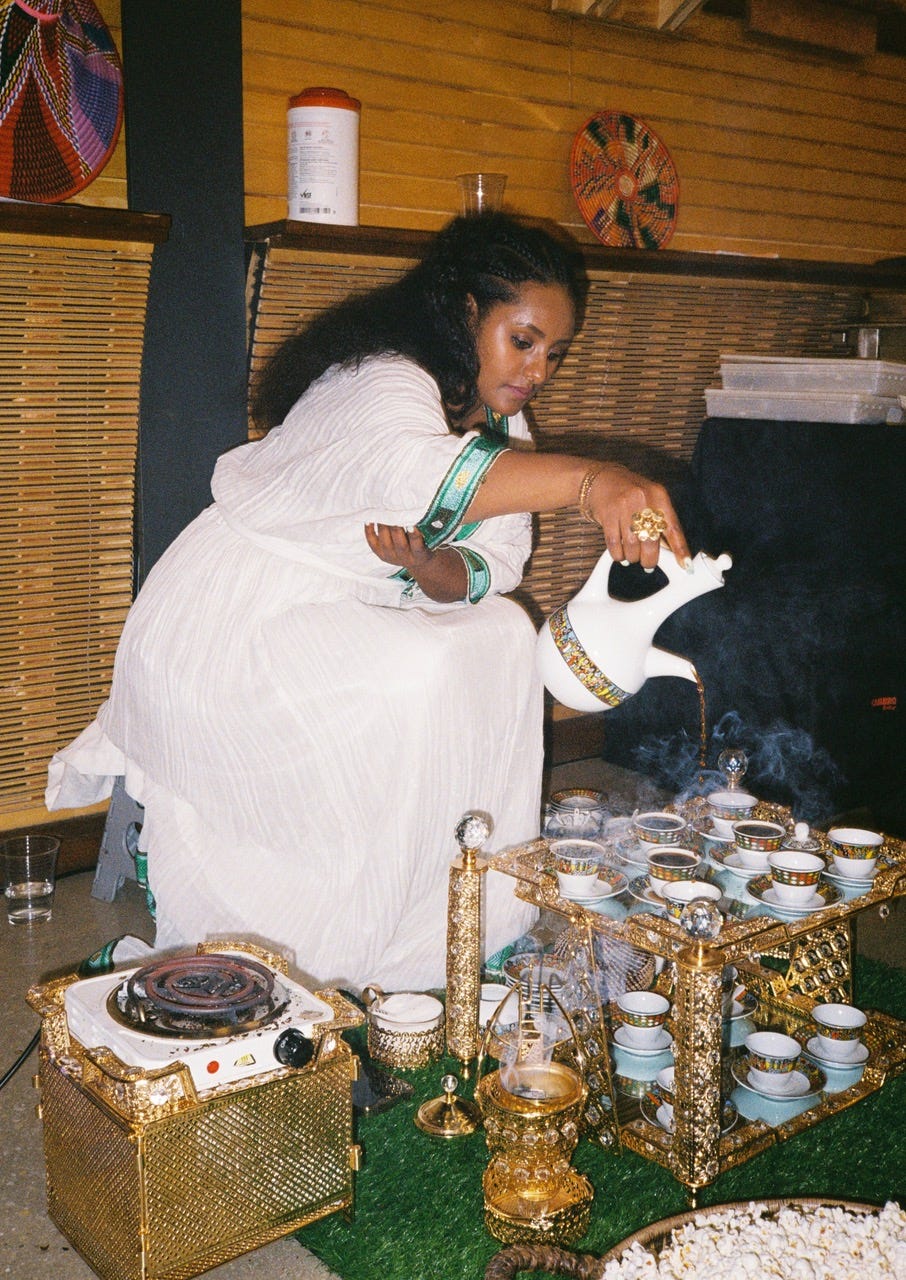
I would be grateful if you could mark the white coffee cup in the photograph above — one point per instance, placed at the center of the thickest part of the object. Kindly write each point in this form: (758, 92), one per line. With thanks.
(643, 1016)
(490, 996)
(795, 875)
(838, 1027)
(772, 1056)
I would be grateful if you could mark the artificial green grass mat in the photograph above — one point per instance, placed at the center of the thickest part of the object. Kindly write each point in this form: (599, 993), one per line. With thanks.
(419, 1211)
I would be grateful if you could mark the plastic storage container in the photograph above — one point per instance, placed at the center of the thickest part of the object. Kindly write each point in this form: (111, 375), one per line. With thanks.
(782, 373)
(804, 406)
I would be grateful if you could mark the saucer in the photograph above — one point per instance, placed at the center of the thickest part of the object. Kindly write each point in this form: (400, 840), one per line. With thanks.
(731, 860)
(658, 1117)
(849, 883)
(825, 895)
(641, 890)
(612, 884)
(632, 853)
(655, 1114)
(801, 1083)
(707, 832)
(813, 1049)
(661, 1042)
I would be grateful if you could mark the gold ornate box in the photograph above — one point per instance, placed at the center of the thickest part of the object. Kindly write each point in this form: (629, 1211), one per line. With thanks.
(150, 1178)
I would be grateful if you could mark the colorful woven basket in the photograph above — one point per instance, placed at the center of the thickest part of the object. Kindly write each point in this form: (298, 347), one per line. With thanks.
(61, 97)
(624, 181)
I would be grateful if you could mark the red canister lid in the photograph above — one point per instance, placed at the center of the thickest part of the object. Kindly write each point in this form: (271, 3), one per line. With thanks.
(321, 97)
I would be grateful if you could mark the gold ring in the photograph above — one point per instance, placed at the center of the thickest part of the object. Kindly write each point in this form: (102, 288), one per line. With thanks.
(648, 525)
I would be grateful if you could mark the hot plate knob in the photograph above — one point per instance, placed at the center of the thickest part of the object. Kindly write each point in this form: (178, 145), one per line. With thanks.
(292, 1048)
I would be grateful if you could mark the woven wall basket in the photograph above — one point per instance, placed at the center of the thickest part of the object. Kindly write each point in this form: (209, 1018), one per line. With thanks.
(61, 97)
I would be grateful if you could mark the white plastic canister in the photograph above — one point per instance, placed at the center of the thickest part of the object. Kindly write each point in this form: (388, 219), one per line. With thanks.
(323, 157)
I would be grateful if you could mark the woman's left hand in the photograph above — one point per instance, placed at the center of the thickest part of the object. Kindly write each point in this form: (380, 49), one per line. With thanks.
(441, 574)
(397, 545)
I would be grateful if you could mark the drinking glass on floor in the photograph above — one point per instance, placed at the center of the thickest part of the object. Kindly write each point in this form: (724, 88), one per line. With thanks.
(29, 877)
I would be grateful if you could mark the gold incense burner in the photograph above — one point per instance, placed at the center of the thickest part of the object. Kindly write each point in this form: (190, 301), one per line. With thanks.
(532, 1111)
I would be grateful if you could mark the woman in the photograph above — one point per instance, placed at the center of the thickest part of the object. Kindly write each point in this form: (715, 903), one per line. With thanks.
(321, 676)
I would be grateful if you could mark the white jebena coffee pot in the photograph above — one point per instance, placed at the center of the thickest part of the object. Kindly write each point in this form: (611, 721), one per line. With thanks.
(596, 651)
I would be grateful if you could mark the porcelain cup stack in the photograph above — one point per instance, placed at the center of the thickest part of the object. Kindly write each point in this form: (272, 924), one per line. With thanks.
(727, 807)
(578, 811)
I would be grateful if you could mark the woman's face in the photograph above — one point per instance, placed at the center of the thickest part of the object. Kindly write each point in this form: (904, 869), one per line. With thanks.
(521, 344)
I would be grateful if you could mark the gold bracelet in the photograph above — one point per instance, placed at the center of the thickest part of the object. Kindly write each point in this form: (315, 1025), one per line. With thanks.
(588, 480)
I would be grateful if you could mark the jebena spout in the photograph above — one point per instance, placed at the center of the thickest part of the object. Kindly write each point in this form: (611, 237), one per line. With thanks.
(661, 662)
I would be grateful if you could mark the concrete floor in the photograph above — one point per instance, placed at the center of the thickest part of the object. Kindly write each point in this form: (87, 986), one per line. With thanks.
(31, 1248)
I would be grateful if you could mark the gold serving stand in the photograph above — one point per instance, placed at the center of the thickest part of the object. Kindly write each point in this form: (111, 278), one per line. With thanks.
(789, 965)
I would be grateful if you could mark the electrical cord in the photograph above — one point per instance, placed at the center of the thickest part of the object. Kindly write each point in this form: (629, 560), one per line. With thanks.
(32, 1044)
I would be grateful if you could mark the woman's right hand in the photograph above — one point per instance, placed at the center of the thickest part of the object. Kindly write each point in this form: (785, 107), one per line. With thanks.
(615, 496)
(520, 480)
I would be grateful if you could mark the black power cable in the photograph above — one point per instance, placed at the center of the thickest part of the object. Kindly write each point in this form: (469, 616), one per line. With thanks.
(32, 1044)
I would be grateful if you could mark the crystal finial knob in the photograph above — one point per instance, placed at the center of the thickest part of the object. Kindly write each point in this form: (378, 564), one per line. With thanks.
(733, 763)
(701, 919)
(472, 830)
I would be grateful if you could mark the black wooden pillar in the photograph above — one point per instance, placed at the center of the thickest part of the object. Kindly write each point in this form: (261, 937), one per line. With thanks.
(183, 97)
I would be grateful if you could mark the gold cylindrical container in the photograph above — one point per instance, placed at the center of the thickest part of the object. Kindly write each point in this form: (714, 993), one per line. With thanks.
(405, 1050)
(404, 1045)
(531, 1191)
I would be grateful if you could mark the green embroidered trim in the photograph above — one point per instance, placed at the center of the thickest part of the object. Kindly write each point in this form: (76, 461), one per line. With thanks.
(457, 489)
(479, 574)
(498, 424)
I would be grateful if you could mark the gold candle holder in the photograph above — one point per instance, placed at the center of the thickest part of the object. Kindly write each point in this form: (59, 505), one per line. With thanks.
(464, 939)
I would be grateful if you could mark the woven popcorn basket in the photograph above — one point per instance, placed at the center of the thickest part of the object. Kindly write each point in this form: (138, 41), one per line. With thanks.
(509, 1262)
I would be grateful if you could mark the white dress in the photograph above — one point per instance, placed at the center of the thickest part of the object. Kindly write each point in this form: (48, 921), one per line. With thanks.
(303, 728)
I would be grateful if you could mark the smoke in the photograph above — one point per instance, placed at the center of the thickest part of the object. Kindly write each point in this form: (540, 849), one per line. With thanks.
(784, 765)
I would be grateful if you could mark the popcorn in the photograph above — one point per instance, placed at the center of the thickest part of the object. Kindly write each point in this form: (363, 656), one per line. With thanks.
(755, 1242)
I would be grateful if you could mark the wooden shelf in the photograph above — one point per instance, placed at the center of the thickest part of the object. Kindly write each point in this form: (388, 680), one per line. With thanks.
(79, 221)
(326, 238)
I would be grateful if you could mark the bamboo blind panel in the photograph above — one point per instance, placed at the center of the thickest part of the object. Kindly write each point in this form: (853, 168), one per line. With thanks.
(287, 288)
(632, 388)
(71, 336)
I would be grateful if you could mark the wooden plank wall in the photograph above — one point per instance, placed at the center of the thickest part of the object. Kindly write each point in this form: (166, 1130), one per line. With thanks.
(780, 151)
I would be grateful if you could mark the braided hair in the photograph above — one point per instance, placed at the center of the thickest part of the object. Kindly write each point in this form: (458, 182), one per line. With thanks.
(428, 315)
